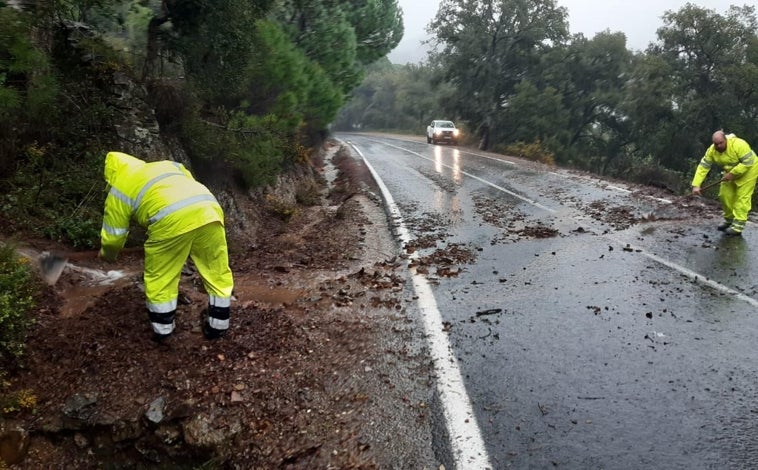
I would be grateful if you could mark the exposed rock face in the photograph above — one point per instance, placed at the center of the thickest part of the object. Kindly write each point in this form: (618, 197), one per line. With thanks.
(137, 129)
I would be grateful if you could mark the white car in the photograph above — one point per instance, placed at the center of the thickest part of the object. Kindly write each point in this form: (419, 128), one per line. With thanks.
(442, 131)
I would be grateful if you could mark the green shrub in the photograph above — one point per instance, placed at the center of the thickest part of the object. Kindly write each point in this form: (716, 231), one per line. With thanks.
(21, 400)
(81, 233)
(648, 170)
(256, 148)
(280, 208)
(17, 291)
(27, 87)
(534, 151)
(308, 194)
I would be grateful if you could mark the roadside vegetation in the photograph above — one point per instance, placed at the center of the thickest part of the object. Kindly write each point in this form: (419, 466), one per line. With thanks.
(18, 289)
(514, 79)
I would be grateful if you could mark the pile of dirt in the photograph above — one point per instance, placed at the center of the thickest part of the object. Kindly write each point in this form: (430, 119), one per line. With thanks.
(323, 367)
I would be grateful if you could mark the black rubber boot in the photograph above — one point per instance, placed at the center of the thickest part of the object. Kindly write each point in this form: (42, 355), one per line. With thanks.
(732, 232)
(212, 333)
(159, 338)
(215, 313)
(160, 320)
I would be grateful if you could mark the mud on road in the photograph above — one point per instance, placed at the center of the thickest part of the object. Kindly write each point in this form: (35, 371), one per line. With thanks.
(323, 366)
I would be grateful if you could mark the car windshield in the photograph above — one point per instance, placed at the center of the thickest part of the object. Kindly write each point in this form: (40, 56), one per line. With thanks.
(447, 124)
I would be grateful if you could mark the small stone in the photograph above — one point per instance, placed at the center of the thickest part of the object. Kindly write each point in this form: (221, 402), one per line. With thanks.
(154, 412)
(81, 440)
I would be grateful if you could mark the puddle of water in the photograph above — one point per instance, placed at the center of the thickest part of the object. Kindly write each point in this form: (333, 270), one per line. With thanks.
(92, 284)
(77, 299)
(259, 292)
(97, 276)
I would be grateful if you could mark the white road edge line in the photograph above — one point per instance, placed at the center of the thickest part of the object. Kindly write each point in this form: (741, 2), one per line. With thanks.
(465, 436)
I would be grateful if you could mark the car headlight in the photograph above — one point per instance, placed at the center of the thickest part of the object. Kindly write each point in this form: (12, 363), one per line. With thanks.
(455, 132)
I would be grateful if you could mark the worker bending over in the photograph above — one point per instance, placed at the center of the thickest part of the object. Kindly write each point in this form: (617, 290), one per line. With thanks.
(183, 219)
(738, 161)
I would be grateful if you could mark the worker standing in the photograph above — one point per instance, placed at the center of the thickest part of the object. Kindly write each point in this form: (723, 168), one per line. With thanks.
(183, 219)
(738, 161)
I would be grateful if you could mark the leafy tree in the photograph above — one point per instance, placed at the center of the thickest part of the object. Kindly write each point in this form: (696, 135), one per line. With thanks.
(421, 98)
(126, 26)
(534, 115)
(741, 85)
(648, 104)
(589, 75)
(709, 57)
(342, 36)
(378, 28)
(488, 47)
(215, 41)
(281, 95)
(374, 103)
(28, 87)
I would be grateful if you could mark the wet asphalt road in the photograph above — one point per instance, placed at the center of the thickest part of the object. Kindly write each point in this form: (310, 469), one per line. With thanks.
(594, 344)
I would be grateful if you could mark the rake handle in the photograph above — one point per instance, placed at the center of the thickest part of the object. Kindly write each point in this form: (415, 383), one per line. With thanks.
(92, 254)
(707, 186)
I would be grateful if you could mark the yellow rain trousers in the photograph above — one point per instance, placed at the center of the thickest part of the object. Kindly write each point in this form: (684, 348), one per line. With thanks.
(183, 219)
(736, 195)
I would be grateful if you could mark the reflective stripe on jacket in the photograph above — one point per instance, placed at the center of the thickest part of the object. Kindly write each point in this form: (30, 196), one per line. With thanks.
(738, 159)
(161, 196)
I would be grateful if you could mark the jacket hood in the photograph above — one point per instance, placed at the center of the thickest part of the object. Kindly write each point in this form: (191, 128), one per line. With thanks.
(117, 163)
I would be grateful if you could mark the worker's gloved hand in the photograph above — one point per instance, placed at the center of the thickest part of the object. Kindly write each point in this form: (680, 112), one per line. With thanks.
(108, 255)
(696, 190)
(727, 177)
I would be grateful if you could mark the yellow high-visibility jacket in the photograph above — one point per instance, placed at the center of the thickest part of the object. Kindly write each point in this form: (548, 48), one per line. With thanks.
(161, 196)
(738, 159)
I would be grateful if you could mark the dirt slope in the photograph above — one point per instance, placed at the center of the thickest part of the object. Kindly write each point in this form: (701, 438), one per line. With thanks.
(322, 367)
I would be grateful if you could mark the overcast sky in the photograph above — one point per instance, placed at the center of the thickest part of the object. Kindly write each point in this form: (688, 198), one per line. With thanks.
(638, 19)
